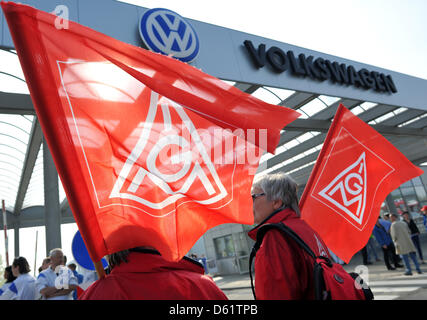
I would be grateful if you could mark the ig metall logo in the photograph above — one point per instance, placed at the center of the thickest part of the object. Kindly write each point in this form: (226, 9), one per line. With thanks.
(164, 31)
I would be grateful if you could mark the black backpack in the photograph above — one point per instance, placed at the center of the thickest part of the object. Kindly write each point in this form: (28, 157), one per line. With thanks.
(331, 281)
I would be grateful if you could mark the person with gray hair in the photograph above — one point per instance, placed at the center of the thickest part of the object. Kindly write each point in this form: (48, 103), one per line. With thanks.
(56, 282)
(283, 271)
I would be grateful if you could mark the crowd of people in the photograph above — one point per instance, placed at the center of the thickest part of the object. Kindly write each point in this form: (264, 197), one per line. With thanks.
(55, 280)
(398, 236)
(282, 270)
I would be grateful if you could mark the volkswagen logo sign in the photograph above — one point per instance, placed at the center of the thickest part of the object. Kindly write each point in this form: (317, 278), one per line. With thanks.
(166, 32)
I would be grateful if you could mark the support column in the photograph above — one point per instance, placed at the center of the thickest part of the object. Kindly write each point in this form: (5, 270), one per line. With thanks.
(51, 201)
(390, 204)
(16, 232)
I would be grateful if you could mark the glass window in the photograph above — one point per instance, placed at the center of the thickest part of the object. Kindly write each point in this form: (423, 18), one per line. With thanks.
(61, 190)
(14, 133)
(313, 107)
(407, 184)
(409, 196)
(421, 193)
(241, 245)
(12, 77)
(224, 247)
(244, 264)
(408, 192)
(35, 191)
(398, 200)
(272, 95)
(417, 181)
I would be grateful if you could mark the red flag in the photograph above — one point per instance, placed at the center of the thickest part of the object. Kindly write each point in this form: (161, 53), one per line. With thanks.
(355, 171)
(138, 137)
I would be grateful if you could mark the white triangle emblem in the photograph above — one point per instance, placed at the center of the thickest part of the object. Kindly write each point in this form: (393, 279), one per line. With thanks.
(188, 174)
(347, 191)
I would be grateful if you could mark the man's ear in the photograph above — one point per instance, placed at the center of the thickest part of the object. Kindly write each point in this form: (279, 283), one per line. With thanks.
(277, 204)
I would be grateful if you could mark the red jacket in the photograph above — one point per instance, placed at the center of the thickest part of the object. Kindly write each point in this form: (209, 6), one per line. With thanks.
(147, 276)
(283, 271)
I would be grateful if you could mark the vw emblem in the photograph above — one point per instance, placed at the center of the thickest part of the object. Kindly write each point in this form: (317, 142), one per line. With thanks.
(166, 32)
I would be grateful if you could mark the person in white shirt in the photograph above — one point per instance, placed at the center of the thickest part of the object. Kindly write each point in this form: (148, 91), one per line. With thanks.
(8, 275)
(56, 282)
(24, 286)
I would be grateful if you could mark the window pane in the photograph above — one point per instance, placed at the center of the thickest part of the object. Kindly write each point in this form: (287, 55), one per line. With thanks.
(241, 245)
(398, 200)
(409, 196)
(219, 248)
(407, 184)
(421, 193)
(408, 192)
(417, 181)
(224, 247)
(229, 246)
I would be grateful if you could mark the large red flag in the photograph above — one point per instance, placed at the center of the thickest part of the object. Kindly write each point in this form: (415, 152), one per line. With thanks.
(355, 171)
(138, 138)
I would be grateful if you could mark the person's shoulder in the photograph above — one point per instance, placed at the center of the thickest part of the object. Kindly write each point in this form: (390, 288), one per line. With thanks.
(44, 274)
(273, 235)
(401, 225)
(274, 241)
(385, 223)
(28, 277)
(103, 289)
(5, 286)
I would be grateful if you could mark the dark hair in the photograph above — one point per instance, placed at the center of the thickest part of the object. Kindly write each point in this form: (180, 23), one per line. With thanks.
(407, 213)
(9, 274)
(23, 265)
(72, 265)
(116, 258)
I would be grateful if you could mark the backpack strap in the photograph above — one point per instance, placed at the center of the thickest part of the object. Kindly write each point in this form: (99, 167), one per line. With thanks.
(286, 231)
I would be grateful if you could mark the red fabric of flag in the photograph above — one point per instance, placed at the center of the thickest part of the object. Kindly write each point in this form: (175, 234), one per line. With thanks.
(355, 171)
(150, 151)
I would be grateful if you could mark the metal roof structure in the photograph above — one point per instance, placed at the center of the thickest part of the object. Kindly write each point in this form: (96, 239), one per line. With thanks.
(23, 153)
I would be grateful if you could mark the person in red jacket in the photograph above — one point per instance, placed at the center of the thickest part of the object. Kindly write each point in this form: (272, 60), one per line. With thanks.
(143, 274)
(283, 271)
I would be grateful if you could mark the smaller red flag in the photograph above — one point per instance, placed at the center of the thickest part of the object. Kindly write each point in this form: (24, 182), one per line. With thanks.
(355, 171)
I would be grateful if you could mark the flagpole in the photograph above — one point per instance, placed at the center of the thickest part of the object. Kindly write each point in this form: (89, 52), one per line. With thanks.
(320, 156)
(5, 232)
(99, 269)
(35, 255)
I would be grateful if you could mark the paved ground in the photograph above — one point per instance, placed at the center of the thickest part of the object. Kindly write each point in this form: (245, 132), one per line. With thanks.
(385, 284)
